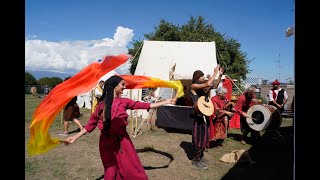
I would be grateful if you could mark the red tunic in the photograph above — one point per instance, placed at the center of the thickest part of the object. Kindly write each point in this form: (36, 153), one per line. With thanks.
(242, 105)
(118, 154)
(217, 125)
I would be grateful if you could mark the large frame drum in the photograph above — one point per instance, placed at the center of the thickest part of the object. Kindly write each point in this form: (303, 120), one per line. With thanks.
(263, 117)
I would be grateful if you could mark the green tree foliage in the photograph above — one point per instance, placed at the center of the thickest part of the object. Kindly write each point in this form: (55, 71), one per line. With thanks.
(44, 81)
(166, 31)
(29, 79)
(135, 52)
(229, 54)
(51, 82)
(55, 81)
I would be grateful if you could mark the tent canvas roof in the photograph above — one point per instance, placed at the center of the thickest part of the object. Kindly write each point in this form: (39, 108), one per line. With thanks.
(158, 57)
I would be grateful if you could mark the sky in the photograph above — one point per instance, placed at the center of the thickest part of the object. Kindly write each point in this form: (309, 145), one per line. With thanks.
(67, 35)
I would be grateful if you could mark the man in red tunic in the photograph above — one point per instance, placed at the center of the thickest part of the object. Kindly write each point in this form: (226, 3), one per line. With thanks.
(118, 154)
(245, 101)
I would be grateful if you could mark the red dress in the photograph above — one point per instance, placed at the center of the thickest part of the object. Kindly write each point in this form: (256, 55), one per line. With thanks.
(117, 152)
(217, 125)
(71, 111)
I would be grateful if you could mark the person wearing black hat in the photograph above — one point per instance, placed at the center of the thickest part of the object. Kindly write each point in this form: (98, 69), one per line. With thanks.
(277, 96)
(200, 131)
(118, 154)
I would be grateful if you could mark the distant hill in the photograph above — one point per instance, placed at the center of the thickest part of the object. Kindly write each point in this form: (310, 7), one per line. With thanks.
(41, 74)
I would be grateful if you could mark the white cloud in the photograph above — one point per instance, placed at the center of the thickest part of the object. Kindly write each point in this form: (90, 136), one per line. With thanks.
(73, 56)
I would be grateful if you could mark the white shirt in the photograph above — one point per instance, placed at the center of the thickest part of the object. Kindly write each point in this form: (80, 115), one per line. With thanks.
(276, 91)
(97, 92)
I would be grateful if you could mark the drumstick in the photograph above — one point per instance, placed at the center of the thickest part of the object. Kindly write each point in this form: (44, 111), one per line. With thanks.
(241, 114)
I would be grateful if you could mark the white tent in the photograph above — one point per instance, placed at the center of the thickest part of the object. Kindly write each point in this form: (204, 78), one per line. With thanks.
(158, 58)
(173, 60)
(84, 100)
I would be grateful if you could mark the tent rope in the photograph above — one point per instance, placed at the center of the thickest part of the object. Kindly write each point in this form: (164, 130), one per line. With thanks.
(138, 50)
(219, 55)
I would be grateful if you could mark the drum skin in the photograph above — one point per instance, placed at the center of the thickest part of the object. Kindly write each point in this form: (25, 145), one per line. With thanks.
(264, 117)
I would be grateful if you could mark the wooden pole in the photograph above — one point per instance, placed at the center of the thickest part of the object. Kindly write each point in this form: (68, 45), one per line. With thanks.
(234, 84)
(131, 120)
(61, 117)
(92, 97)
(136, 130)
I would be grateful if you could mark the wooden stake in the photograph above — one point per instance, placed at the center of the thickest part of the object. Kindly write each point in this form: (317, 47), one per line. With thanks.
(61, 118)
(131, 121)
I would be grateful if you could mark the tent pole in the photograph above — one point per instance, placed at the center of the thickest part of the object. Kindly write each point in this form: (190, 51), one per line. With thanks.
(92, 96)
(137, 114)
(61, 117)
(233, 83)
(131, 121)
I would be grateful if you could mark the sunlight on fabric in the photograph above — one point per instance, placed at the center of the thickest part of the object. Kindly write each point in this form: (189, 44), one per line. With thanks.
(40, 140)
(139, 82)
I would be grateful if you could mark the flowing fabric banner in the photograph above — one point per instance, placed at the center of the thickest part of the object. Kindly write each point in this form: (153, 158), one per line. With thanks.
(139, 82)
(40, 140)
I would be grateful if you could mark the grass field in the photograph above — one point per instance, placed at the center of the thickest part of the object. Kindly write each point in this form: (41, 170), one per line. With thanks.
(164, 155)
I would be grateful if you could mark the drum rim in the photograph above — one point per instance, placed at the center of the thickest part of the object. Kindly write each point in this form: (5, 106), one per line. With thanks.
(266, 113)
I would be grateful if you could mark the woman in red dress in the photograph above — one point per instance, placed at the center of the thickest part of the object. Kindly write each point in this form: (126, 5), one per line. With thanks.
(118, 154)
(219, 119)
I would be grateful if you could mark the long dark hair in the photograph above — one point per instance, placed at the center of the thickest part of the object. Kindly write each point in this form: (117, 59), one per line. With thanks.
(107, 97)
(196, 75)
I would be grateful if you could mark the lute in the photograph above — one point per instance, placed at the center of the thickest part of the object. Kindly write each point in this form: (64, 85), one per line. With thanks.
(204, 106)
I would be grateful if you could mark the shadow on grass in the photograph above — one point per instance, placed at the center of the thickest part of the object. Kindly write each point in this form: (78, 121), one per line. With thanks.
(273, 157)
(233, 136)
(189, 149)
(149, 149)
(101, 177)
(74, 131)
(175, 130)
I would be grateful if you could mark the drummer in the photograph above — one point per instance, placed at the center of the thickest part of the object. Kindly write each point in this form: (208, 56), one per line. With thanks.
(245, 101)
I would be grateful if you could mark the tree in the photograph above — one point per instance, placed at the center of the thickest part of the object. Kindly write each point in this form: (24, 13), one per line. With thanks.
(44, 81)
(51, 82)
(55, 81)
(229, 54)
(135, 51)
(29, 79)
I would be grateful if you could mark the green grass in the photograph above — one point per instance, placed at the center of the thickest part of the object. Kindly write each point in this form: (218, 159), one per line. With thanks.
(81, 160)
